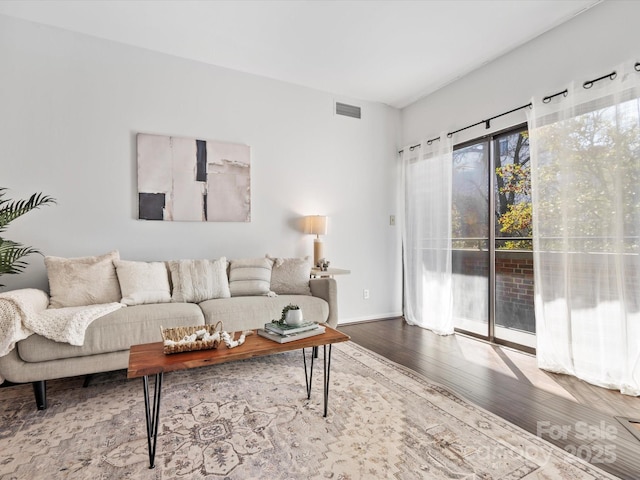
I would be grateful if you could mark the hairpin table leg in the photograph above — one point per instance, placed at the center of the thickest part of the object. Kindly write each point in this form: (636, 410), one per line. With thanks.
(308, 376)
(152, 415)
(308, 373)
(327, 371)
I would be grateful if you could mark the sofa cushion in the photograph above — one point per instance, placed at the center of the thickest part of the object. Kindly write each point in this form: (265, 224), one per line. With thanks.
(199, 280)
(74, 282)
(143, 282)
(116, 331)
(290, 276)
(248, 313)
(250, 276)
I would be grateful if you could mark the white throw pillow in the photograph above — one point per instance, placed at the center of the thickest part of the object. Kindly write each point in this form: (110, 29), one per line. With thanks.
(199, 280)
(74, 282)
(290, 276)
(250, 276)
(143, 282)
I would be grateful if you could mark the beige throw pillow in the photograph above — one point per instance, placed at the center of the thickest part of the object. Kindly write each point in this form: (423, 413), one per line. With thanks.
(250, 276)
(143, 282)
(75, 282)
(290, 276)
(199, 280)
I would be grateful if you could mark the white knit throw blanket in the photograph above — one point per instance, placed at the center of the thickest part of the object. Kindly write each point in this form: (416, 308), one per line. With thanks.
(68, 324)
(15, 307)
(24, 311)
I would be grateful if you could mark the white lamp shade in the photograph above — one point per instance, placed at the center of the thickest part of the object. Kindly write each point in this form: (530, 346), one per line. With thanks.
(315, 224)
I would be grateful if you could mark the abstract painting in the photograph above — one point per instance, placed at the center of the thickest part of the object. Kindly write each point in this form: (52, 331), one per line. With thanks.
(191, 180)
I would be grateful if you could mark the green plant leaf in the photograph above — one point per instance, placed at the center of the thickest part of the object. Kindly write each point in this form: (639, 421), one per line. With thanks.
(12, 209)
(12, 253)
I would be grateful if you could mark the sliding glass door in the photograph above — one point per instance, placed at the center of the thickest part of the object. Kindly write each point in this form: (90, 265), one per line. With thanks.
(492, 245)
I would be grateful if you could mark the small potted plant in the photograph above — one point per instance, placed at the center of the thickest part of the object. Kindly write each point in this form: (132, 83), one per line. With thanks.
(292, 315)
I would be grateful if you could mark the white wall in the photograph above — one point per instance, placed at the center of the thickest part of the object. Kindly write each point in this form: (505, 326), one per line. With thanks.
(71, 105)
(586, 47)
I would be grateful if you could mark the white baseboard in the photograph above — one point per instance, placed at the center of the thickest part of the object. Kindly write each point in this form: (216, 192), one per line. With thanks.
(368, 318)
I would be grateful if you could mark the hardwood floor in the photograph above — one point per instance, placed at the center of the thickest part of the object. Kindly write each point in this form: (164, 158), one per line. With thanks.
(563, 410)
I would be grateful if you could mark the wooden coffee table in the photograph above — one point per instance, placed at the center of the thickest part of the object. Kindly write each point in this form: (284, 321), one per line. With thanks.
(149, 359)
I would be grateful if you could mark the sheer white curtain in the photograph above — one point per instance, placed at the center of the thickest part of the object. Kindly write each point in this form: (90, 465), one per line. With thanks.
(585, 156)
(427, 235)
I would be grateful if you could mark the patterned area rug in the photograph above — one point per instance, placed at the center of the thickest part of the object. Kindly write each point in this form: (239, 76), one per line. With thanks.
(252, 420)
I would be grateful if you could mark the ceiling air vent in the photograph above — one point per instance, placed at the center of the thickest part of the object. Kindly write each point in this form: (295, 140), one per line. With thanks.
(347, 110)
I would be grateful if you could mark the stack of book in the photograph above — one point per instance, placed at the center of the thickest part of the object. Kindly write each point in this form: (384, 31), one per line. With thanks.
(288, 333)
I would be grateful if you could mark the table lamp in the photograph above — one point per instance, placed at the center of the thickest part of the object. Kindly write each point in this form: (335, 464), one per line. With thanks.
(316, 225)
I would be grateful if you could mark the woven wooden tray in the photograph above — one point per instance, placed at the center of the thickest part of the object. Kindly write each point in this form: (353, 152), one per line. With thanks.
(178, 333)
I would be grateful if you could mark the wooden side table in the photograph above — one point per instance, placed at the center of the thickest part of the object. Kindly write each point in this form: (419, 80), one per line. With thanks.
(329, 272)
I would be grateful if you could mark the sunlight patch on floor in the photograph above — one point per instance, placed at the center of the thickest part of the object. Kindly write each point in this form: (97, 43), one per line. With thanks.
(510, 362)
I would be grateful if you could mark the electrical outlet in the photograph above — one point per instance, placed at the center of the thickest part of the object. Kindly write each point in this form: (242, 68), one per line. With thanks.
(365, 294)
(392, 220)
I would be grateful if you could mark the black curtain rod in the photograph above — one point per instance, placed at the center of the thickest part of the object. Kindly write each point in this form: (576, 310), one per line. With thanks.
(487, 122)
(547, 99)
(412, 147)
(589, 83)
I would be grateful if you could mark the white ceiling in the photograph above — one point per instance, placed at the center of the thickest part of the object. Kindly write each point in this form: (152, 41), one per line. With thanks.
(392, 52)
